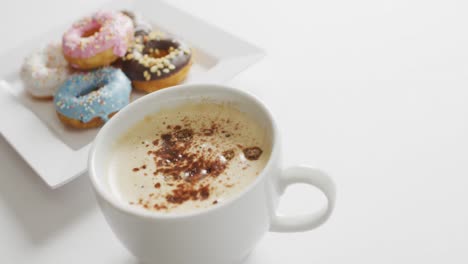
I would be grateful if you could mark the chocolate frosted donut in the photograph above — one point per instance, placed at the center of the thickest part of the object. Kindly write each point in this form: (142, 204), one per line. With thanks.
(154, 62)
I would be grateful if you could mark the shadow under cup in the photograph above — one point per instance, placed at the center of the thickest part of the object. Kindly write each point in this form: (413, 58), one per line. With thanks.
(224, 233)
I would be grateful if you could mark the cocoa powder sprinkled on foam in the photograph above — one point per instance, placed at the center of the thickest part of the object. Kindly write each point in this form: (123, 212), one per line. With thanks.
(252, 153)
(175, 159)
(185, 192)
(159, 207)
(207, 132)
(229, 154)
(184, 134)
(184, 157)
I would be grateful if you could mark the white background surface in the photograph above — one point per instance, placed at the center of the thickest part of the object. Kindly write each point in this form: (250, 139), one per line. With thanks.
(374, 92)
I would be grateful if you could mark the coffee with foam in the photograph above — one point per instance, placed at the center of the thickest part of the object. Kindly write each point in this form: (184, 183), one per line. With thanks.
(188, 158)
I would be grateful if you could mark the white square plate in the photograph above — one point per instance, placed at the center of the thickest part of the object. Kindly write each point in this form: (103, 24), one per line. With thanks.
(59, 154)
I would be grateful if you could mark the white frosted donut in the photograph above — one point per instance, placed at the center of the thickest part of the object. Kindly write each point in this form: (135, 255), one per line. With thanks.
(44, 71)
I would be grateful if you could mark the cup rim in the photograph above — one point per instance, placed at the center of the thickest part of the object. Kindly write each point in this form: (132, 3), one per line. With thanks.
(127, 209)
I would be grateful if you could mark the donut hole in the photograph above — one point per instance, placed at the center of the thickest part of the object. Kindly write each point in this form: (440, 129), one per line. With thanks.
(89, 90)
(158, 53)
(91, 31)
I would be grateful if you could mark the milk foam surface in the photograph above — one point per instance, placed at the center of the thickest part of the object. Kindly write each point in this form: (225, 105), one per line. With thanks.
(188, 158)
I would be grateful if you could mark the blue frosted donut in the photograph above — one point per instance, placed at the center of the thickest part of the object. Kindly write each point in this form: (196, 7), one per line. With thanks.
(89, 99)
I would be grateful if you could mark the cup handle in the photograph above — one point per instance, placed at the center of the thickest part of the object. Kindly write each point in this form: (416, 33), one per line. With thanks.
(314, 177)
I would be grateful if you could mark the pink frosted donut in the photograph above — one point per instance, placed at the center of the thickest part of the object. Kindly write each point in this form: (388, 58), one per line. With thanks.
(97, 40)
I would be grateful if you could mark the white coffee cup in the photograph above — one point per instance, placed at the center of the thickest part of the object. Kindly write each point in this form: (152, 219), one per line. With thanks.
(225, 233)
